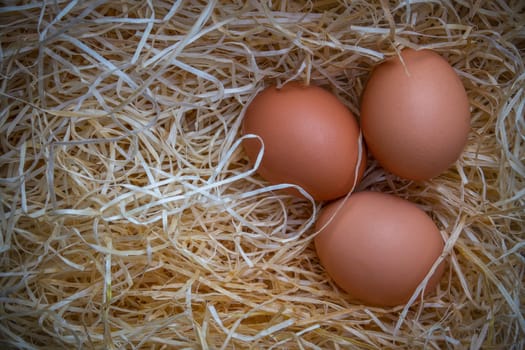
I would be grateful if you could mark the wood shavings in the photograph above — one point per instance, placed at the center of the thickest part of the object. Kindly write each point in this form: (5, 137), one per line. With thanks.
(130, 216)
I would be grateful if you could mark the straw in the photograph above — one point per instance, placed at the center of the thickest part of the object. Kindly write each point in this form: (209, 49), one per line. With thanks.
(131, 217)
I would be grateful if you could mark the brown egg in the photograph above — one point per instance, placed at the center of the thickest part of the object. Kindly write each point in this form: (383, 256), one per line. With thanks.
(415, 115)
(378, 247)
(311, 139)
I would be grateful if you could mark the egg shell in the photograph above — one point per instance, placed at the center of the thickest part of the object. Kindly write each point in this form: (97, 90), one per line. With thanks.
(415, 115)
(378, 247)
(311, 139)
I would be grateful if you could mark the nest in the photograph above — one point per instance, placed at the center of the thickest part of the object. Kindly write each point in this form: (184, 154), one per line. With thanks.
(131, 217)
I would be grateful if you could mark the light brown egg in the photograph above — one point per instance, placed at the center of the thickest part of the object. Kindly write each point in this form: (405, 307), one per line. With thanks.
(378, 247)
(415, 115)
(311, 139)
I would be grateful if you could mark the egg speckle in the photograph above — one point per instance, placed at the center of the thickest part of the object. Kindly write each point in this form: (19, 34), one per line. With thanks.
(378, 247)
(311, 139)
(415, 115)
